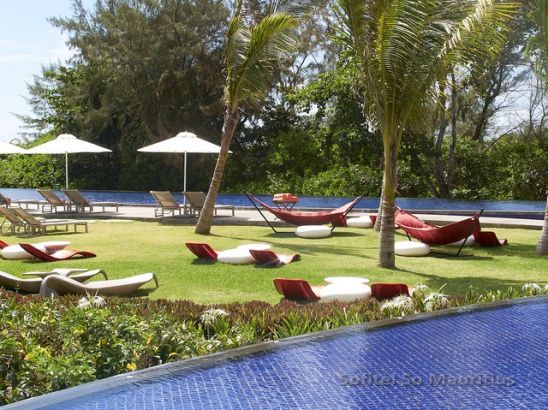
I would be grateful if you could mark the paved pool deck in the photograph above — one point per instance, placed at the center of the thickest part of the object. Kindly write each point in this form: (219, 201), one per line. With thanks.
(251, 217)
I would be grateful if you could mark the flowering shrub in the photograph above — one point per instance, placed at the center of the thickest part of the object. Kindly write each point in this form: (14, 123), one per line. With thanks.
(51, 344)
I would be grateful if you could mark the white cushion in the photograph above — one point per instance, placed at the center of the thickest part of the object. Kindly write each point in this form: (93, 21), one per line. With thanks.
(255, 246)
(53, 246)
(344, 292)
(313, 231)
(16, 252)
(235, 256)
(469, 242)
(408, 248)
(359, 222)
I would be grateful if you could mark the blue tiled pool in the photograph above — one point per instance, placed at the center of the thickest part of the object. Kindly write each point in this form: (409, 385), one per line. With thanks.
(486, 359)
(435, 204)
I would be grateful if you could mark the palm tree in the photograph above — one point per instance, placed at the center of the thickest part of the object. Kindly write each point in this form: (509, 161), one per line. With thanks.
(402, 48)
(252, 51)
(542, 246)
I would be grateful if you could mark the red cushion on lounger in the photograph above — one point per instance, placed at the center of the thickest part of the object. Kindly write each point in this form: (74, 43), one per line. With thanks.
(488, 238)
(296, 289)
(55, 256)
(269, 258)
(382, 291)
(202, 250)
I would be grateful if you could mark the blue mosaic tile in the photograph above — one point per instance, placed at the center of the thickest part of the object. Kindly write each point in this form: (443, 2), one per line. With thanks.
(490, 359)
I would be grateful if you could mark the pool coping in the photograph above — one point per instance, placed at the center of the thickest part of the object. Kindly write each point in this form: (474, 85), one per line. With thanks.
(152, 373)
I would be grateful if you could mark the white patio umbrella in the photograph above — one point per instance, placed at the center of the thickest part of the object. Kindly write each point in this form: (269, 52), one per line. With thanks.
(184, 142)
(67, 144)
(7, 148)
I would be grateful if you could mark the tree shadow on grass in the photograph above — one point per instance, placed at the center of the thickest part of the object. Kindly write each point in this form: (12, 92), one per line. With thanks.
(460, 284)
(199, 261)
(140, 293)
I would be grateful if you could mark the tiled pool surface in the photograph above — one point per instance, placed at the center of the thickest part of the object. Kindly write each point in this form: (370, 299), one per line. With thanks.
(485, 359)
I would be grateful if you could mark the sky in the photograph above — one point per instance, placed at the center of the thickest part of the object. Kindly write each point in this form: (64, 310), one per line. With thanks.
(27, 42)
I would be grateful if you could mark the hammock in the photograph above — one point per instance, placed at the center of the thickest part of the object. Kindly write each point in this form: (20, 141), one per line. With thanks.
(336, 217)
(439, 235)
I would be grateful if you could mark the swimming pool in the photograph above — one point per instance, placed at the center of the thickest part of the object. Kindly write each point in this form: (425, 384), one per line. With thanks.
(486, 358)
(511, 208)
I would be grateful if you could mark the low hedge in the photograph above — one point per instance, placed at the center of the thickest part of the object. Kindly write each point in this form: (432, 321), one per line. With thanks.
(51, 344)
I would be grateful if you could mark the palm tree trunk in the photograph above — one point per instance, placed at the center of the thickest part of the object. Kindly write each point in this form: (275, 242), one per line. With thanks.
(387, 257)
(232, 117)
(377, 225)
(542, 247)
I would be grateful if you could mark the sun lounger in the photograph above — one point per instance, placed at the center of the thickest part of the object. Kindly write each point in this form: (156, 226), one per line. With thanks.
(5, 201)
(52, 201)
(196, 201)
(80, 203)
(381, 291)
(59, 255)
(297, 289)
(16, 224)
(61, 285)
(269, 258)
(34, 225)
(202, 250)
(166, 203)
(32, 285)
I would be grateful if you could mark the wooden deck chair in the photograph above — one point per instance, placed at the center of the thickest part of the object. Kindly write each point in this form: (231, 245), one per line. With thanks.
(38, 226)
(15, 223)
(165, 203)
(196, 201)
(62, 285)
(52, 200)
(80, 203)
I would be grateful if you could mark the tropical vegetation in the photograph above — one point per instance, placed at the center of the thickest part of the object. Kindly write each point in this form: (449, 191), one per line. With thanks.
(146, 70)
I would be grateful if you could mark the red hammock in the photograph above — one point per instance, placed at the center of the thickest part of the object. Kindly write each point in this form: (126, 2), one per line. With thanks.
(336, 217)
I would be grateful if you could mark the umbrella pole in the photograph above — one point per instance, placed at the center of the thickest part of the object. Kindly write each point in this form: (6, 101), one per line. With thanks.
(66, 170)
(184, 186)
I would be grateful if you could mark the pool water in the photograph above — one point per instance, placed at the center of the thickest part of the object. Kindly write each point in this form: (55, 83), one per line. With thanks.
(486, 359)
(144, 198)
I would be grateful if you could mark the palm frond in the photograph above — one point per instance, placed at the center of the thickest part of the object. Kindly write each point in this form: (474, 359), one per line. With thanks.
(253, 54)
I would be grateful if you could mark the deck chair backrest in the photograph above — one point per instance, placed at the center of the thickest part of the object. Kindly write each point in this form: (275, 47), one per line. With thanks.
(51, 197)
(165, 199)
(25, 216)
(195, 199)
(11, 215)
(4, 200)
(75, 196)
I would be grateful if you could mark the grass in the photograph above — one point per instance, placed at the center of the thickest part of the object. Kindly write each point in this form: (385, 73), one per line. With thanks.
(128, 248)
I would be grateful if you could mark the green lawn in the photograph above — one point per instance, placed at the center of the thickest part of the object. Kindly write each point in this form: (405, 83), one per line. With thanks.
(128, 248)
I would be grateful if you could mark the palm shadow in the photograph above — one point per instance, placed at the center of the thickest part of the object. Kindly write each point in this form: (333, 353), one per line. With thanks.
(456, 284)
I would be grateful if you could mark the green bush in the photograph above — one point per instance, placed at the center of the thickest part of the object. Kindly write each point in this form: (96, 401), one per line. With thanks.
(52, 344)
